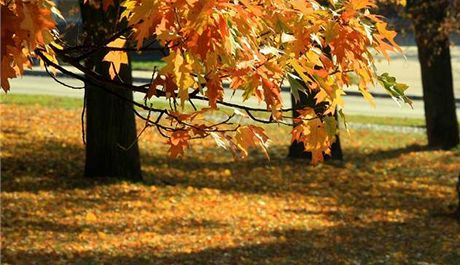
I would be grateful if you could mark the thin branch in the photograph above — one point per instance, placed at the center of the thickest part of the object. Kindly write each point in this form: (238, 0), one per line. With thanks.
(59, 81)
(224, 121)
(193, 105)
(245, 108)
(108, 48)
(135, 140)
(102, 81)
(162, 133)
(99, 81)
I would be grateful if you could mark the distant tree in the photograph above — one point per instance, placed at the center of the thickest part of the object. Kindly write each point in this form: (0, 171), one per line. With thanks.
(433, 22)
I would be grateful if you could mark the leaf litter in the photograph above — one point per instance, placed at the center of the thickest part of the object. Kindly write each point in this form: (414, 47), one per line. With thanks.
(386, 204)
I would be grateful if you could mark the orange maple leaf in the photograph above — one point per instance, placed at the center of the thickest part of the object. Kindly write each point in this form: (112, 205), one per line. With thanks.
(116, 58)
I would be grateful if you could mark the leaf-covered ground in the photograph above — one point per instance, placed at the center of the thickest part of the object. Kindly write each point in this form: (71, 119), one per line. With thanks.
(387, 204)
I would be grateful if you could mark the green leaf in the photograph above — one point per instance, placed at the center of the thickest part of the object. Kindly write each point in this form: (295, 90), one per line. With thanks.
(281, 27)
(395, 89)
(233, 38)
(331, 125)
(343, 118)
(296, 86)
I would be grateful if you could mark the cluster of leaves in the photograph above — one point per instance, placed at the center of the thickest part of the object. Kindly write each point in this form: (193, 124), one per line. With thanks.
(253, 46)
(381, 208)
(26, 25)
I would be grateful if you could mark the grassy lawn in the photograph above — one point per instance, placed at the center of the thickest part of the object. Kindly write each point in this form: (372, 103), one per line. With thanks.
(385, 204)
(73, 103)
(146, 65)
(395, 121)
(41, 100)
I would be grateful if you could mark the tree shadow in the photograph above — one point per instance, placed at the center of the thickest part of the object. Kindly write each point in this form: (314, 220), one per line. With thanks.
(387, 154)
(60, 167)
(168, 226)
(282, 175)
(405, 243)
(48, 165)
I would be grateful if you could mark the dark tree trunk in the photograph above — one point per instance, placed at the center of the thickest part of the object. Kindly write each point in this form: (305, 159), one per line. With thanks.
(435, 61)
(110, 123)
(297, 149)
(438, 92)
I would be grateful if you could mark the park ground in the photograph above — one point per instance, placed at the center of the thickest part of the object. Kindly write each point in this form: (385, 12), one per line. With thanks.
(387, 203)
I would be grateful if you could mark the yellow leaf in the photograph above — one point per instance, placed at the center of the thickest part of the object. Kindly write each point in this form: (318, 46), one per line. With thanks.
(116, 58)
(300, 71)
(251, 136)
(90, 217)
(183, 76)
(101, 235)
(369, 98)
(227, 172)
(313, 134)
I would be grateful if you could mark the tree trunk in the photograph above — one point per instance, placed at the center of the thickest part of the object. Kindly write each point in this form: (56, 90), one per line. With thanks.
(297, 149)
(110, 123)
(438, 92)
(435, 62)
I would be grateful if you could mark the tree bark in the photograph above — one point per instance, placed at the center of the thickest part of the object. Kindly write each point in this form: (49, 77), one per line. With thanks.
(435, 62)
(297, 149)
(110, 123)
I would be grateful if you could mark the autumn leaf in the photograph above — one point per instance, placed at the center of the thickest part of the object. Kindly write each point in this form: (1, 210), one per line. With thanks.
(90, 217)
(359, 207)
(226, 142)
(315, 134)
(29, 27)
(178, 141)
(7, 72)
(215, 90)
(251, 136)
(116, 58)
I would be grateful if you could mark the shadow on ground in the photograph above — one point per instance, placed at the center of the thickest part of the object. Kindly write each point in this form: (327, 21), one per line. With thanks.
(340, 245)
(361, 185)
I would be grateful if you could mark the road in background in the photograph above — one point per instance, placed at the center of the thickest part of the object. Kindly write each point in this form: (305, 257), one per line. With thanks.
(405, 70)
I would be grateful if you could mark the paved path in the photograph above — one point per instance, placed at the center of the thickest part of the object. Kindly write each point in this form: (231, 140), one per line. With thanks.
(406, 70)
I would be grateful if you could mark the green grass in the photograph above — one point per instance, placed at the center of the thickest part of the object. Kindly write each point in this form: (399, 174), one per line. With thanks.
(146, 65)
(70, 103)
(50, 101)
(396, 121)
(41, 100)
